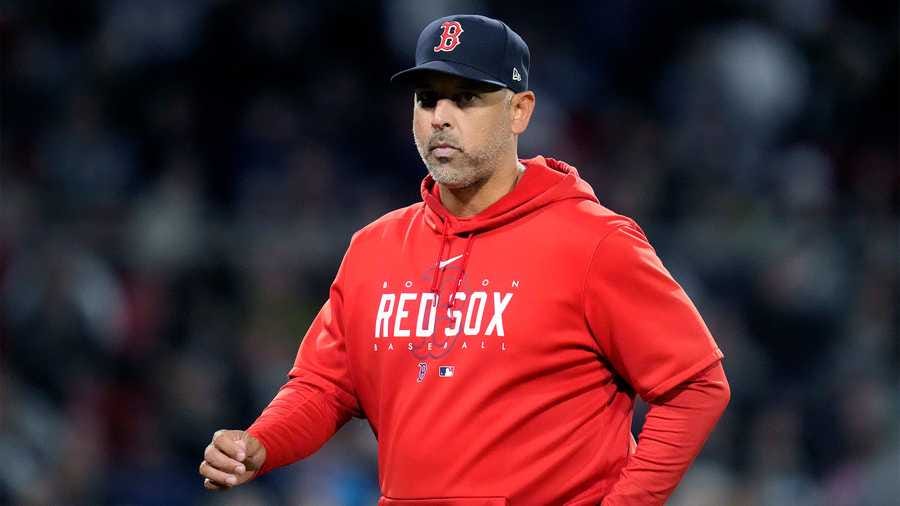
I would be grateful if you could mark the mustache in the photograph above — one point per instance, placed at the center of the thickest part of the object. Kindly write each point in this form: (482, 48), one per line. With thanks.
(443, 140)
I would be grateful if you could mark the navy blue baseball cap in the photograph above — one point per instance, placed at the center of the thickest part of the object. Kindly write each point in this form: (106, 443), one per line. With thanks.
(474, 47)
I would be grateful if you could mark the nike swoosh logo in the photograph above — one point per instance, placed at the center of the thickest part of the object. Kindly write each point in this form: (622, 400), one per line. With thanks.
(445, 263)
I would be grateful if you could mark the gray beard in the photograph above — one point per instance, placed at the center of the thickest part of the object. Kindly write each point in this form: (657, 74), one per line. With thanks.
(467, 168)
(463, 172)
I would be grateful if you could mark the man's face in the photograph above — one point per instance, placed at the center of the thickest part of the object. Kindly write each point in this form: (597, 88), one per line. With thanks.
(461, 127)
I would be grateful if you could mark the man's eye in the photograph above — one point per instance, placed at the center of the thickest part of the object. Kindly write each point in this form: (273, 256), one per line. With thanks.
(426, 99)
(466, 98)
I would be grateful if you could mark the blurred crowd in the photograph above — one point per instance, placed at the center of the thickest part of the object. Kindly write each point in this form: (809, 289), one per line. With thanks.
(179, 180)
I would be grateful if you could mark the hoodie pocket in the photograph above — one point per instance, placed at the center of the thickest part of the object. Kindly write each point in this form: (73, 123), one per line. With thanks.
(445, 501)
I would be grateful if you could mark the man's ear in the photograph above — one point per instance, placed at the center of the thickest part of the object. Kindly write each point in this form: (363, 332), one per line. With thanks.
(520, 108)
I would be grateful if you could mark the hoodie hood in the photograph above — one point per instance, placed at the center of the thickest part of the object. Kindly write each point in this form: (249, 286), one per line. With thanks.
(544, 182)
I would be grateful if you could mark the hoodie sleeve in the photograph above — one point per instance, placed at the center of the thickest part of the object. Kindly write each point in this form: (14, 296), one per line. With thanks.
(674, 432)
(319, 396)
(644, 323)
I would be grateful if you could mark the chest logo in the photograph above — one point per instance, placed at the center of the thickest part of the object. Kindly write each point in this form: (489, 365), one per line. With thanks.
(423, 368)
(416, 314)
(445, 263)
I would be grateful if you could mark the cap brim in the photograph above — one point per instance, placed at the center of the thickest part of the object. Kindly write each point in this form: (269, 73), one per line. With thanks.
(445, 67)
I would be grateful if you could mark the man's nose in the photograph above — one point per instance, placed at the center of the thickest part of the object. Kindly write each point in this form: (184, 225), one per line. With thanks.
(443, 113)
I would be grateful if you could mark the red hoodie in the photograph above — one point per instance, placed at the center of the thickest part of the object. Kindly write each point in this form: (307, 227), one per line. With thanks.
(496, 357)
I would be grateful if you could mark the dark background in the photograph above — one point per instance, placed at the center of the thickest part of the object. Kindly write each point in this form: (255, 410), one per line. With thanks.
(179, 180)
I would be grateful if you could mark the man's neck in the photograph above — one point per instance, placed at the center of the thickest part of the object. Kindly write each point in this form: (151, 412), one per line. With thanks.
(471, 200)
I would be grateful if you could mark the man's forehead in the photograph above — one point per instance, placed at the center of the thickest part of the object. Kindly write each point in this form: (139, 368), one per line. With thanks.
(446, 82)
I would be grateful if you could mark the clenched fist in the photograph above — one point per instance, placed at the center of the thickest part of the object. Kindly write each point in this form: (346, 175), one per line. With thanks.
(232, 458)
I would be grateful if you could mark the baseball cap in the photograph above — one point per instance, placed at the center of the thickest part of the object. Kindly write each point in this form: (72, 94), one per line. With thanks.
(474, 47)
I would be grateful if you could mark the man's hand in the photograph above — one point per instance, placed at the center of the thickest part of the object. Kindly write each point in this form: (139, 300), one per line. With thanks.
(232, 458)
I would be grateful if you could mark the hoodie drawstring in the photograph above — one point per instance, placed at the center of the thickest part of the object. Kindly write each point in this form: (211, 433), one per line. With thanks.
(435, 280)
(451, 301)
(439, 269)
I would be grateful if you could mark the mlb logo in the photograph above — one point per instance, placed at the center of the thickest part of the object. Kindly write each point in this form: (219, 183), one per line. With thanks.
(446, 371)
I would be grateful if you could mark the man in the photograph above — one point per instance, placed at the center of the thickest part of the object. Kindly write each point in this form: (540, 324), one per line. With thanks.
(495, 334)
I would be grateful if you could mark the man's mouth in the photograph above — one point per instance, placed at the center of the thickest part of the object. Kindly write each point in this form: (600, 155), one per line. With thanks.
(443, 145)
(443, 150)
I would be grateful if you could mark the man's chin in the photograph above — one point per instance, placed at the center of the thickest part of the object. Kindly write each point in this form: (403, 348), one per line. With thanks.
(455, 185)
(443, 175)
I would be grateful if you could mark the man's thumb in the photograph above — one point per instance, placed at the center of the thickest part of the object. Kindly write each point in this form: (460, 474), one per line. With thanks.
(251, 444)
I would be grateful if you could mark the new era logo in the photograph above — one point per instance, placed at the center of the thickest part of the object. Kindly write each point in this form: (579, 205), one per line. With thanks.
(446, 371)
(516, 75)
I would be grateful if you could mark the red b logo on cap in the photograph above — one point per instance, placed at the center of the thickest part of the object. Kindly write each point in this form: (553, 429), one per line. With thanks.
(450, 36)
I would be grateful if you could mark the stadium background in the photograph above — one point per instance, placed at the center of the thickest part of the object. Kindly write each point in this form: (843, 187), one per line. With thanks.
(180, 179)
